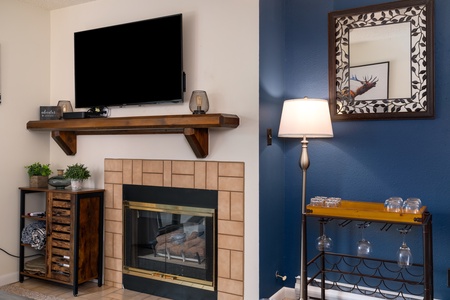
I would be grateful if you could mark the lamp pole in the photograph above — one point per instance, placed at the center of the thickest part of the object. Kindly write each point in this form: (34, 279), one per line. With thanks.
(304, 164)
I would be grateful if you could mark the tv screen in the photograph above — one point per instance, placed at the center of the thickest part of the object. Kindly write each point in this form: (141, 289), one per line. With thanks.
(130, 64)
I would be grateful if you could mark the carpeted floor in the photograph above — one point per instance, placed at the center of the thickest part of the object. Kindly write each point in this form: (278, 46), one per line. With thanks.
(12, 292)
(7, 296)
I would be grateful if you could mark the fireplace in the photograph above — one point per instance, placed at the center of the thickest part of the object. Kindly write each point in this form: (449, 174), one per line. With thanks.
(227, 178)
(170, 241)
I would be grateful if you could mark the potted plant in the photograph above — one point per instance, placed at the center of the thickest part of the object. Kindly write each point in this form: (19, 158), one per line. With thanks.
(77, 173)
(38, 174)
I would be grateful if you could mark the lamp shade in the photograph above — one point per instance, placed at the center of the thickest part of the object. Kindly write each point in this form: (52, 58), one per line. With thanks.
(305, 118)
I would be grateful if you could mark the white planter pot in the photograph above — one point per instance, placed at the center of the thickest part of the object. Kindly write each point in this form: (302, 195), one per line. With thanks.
(76, 184)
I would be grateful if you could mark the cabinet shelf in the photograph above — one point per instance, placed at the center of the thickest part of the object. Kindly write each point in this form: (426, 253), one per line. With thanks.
(29, 245)
(34, 218)
(30, 274)
(194, 127)
(368, 211)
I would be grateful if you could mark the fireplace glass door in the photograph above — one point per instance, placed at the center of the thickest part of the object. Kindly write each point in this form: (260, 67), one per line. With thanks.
(169, 242)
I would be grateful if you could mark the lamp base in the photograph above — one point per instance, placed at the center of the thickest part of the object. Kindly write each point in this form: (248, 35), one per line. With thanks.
(199, 112)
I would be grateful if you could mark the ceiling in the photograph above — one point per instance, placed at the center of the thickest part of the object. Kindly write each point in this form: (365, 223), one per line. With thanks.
(55, 4)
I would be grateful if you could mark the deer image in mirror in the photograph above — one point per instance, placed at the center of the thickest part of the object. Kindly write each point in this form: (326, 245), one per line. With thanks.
(381, 63)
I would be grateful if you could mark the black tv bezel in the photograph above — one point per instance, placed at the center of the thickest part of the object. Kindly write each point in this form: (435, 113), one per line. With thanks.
(93, 103)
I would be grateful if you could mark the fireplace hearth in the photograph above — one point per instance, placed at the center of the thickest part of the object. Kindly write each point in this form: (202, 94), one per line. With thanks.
(170, 241)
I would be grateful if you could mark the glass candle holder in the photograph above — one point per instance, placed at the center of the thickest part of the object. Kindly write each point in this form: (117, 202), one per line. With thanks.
(199, 103)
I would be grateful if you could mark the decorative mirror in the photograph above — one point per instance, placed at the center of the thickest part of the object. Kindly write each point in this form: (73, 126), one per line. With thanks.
(381, 63)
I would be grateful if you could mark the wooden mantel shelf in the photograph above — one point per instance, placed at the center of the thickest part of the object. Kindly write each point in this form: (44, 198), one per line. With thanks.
(194, 127)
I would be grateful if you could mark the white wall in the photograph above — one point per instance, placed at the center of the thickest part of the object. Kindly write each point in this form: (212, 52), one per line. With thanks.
(24, 76)
(220, 56)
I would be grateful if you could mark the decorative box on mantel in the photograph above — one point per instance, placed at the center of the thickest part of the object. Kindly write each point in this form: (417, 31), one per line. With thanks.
(50, 112)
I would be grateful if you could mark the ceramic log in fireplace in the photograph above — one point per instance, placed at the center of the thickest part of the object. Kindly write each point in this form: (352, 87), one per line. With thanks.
(170, 241)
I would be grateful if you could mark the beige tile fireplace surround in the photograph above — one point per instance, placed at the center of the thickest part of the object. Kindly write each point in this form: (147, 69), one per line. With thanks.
(225, 177)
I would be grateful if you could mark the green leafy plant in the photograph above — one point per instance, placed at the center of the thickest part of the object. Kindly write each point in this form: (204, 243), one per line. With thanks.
(38, 169)
(77, 172)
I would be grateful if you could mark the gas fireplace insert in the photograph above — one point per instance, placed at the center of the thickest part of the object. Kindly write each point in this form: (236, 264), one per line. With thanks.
(170, 241)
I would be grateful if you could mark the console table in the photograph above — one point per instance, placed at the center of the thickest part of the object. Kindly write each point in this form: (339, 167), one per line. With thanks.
(385, 272)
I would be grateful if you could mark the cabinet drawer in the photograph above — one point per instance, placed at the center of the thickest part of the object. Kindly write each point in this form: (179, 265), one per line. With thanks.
(61, 236)
(61, 228)
(61, 204)
(61, 220)
(63, 196)
(60, 275)
(58, 212)
(64, 253)
(60, 244)
(60, 266)
(64, 268)
(61, 262)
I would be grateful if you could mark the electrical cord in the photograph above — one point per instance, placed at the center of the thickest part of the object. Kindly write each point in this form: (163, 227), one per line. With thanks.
(17, 256)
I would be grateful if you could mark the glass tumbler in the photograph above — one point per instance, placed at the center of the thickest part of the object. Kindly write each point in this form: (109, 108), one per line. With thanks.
(394, 204)
(332, 202)
(412, 205)
(317, 201)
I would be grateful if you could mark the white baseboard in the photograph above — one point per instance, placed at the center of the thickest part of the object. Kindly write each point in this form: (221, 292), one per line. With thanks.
(283, 293)
(9, 278)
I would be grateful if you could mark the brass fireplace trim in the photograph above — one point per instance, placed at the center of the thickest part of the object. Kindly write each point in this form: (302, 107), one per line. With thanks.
(197, 211)
(195, 283)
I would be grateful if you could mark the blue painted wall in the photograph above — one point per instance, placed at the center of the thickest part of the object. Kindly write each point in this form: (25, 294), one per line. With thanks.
(366, 160)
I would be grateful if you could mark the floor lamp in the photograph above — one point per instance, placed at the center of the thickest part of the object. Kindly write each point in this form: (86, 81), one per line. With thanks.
(305, 118)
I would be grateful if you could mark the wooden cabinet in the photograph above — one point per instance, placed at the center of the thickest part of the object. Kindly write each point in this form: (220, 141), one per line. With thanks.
(73, 250)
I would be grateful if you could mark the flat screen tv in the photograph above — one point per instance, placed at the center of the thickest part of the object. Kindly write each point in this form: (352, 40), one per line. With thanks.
(130, 64)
